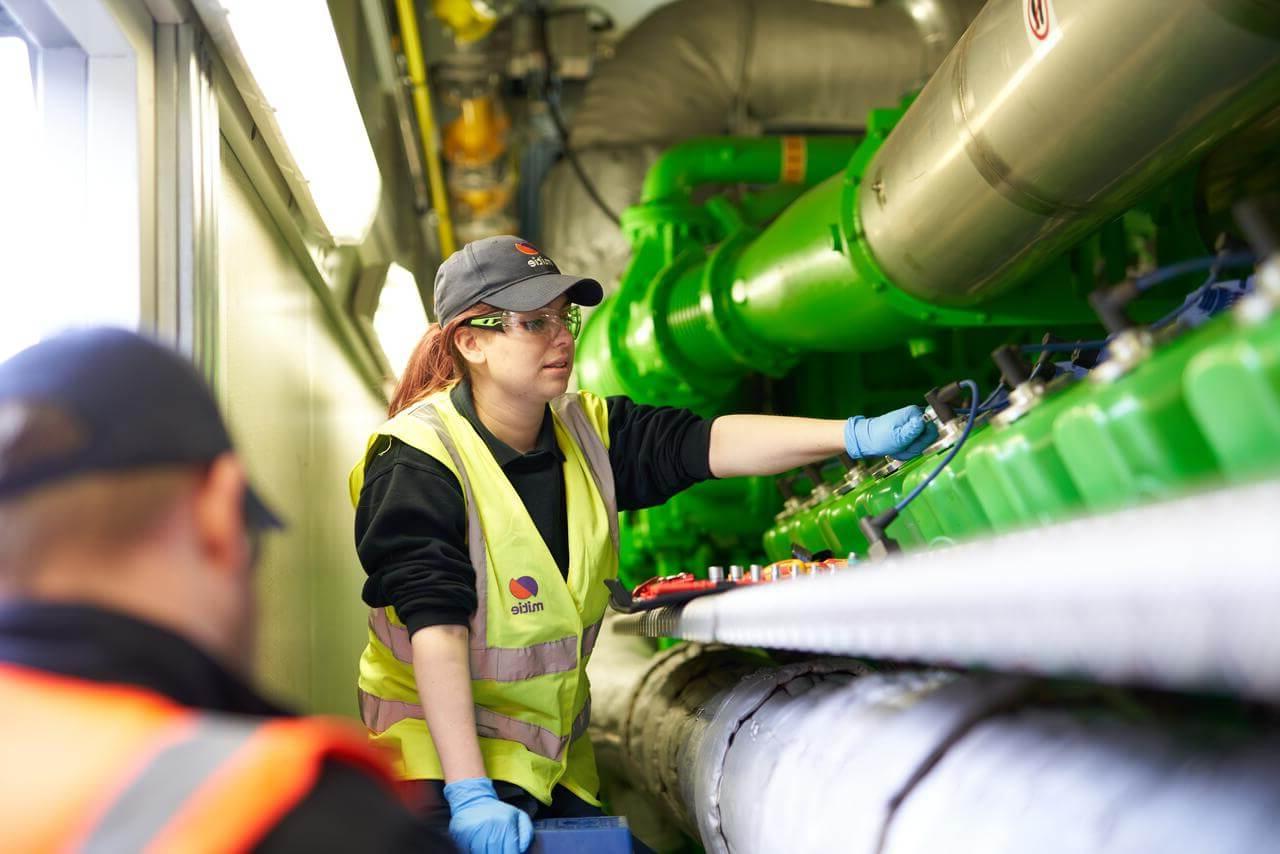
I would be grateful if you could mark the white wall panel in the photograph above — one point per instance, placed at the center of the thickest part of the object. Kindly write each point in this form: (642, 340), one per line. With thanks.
(300, 415)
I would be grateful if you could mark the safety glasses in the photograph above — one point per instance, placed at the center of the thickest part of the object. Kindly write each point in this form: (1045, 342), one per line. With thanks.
(544, 322)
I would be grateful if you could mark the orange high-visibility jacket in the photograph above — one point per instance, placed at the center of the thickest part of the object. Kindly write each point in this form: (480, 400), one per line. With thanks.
(87, 766)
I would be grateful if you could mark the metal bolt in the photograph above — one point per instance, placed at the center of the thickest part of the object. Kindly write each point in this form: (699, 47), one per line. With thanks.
(735, 573)
(715, 573)
(756, 572)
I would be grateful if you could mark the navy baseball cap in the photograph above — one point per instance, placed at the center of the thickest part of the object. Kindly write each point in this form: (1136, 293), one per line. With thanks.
(505, 272)
(115, 402)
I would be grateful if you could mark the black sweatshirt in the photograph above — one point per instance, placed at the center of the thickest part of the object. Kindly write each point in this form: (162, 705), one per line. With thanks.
(411, 523)
(346, 809)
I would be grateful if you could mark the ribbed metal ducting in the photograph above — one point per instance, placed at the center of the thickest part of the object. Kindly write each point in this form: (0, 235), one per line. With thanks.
(826, 755)
(709, 67)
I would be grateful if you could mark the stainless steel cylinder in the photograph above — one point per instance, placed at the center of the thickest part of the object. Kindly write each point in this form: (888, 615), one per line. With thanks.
(1047, 118)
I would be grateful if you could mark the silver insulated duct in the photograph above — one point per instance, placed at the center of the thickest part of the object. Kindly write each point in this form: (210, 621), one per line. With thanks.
(710, 67)
(827, 755)
(1048, 118)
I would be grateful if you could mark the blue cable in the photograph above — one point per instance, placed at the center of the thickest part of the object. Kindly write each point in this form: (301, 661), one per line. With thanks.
(974, 394)
(1192, 298)
(1192, 265)
(1067, 347)
(988, 404)
(986, 407)
(994, 394)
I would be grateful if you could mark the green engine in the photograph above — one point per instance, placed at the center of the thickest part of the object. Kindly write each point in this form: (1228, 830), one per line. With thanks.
(756, 285)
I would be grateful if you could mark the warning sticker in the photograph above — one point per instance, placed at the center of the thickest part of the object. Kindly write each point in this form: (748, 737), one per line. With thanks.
(1040, 22)
(793, 159)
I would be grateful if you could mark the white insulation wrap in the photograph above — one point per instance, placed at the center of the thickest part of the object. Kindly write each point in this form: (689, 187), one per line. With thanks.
(832, 755)
(828, 755)
(1182, 594)
(928, 762)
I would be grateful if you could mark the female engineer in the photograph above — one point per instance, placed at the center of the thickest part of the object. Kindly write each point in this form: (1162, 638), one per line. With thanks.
(486, 519)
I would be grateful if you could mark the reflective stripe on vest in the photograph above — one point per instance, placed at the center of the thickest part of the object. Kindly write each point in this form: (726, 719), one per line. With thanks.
(575, 421)
(169, 780)
(497, 663)
(149, 774)
(380, 714)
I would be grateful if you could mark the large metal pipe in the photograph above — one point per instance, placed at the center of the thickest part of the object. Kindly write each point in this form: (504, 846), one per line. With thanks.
(1049, 117)
(919, 230)
(710, 67)
(1178, 595)
(827, 755)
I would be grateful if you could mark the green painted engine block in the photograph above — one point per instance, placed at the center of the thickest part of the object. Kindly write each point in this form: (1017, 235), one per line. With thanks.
(1200, 408)
(752, 289)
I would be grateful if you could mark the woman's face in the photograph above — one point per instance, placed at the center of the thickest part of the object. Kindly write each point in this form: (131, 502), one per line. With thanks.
(529, 358)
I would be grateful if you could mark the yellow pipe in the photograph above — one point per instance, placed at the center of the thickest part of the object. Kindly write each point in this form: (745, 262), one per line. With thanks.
(468, 22)
(479, 135)
(412, 44)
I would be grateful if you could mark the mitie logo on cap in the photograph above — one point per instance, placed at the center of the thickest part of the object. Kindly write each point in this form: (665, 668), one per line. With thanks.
(538, 259)
(524, 588)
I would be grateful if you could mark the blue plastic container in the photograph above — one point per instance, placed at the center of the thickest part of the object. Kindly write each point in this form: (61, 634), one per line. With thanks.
(596, 835)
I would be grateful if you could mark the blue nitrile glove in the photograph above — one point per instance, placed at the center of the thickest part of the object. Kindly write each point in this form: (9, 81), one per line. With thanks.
(482, 824)
(901, 434)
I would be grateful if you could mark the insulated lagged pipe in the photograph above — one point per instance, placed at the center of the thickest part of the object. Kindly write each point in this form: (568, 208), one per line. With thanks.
(829, 755)
(1179, 595)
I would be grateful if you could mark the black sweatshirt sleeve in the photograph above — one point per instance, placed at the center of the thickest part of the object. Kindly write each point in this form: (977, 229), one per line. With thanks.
(348, 810)
(655, 451)
(411, 524)
(411, 536)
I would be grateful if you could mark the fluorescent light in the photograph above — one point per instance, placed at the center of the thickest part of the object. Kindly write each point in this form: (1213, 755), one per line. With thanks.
(400, 319)
(292, 52)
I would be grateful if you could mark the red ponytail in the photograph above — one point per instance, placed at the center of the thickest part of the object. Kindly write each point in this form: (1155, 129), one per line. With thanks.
(435, 364)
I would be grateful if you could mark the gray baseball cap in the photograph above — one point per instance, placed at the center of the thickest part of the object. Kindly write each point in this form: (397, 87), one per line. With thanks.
(120, 402)
(505, 272)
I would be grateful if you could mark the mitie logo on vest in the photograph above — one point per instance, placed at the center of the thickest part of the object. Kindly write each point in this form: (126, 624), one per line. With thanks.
(524, 588)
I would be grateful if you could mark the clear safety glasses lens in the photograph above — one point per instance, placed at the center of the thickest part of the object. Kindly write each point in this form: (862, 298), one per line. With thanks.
(543, 323)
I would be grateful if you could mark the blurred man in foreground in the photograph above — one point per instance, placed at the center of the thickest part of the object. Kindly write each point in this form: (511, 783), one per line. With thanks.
(128, 536)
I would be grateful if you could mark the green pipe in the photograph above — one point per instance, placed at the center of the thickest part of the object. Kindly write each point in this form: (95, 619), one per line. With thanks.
(744, 160)
(795, 286)
(757, 302)
(686, 325)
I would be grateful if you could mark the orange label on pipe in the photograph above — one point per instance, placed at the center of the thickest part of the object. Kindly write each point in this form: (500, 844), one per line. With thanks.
(793, 159)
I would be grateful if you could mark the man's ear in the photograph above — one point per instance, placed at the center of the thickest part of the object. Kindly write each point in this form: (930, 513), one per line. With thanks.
(468, 343)
(219, 513)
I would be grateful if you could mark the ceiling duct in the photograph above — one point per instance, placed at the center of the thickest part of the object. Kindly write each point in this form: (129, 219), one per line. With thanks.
(710, 67)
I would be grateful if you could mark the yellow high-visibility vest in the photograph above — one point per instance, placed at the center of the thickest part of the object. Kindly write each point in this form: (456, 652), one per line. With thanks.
(533, 630)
